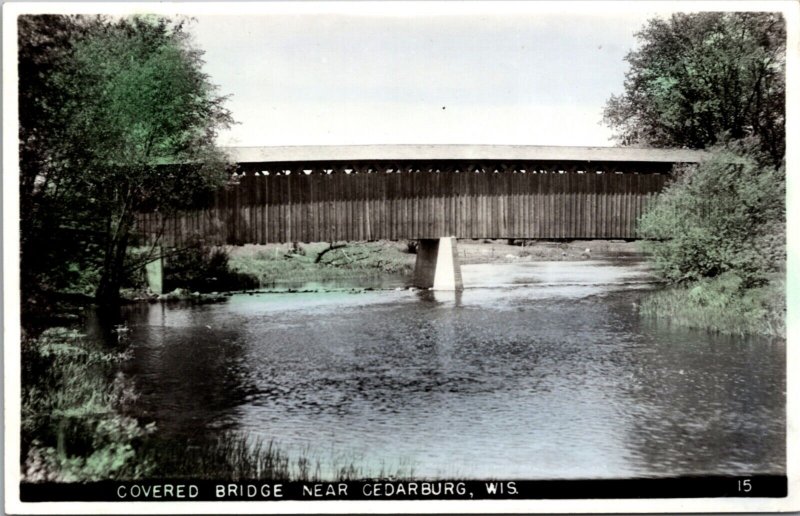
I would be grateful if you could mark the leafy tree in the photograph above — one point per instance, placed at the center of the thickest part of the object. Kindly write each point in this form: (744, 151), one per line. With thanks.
(123, 119)
(50, 243)
(697, 77)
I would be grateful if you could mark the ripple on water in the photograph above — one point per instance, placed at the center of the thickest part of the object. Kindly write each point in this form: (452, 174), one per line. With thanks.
(554, 376)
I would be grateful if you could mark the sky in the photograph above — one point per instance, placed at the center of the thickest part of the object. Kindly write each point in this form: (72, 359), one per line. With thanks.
(372, 76)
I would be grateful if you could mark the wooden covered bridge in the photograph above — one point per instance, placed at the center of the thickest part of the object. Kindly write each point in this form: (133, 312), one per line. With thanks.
(424, 192)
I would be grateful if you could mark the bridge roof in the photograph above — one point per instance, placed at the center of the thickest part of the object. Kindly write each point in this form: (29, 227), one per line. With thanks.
(460, 152)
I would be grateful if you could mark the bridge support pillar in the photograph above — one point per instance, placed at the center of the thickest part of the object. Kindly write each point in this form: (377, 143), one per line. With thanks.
(154, 273)
(437, 265)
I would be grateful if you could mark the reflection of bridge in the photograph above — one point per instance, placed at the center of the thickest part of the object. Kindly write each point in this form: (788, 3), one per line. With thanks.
(326, 194)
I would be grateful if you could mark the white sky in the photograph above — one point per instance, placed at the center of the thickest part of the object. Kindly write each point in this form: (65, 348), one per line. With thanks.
(514, 77)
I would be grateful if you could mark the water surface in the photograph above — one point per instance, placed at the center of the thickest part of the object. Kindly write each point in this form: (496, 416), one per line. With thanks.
(536, 370)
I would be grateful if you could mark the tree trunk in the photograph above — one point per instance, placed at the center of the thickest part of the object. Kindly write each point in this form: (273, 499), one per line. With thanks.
(113, 272)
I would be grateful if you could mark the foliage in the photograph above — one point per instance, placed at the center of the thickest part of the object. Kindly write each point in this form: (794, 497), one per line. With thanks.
(107, 108)
(713, 80)
(73, 427)
(201, 268)
(54, 248)
(727, 214)
(698, 76)
(722, 305)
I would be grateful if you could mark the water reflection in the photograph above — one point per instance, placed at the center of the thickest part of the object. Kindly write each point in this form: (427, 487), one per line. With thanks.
(552, 376)
(450, 298)
(188, 381)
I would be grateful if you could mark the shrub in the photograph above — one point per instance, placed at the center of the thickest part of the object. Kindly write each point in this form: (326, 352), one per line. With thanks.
(727, 214)
(202, 268)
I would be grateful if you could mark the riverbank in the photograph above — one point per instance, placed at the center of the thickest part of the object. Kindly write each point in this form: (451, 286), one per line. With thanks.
(272, 263)
(717, 305)
(75, 422)
(722, 305)
(500, 251)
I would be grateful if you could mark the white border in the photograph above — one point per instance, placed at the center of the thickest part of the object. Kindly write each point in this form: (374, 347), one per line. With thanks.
(791, 11)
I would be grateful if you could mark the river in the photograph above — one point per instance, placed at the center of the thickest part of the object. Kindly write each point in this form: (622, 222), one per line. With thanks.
(536, 370)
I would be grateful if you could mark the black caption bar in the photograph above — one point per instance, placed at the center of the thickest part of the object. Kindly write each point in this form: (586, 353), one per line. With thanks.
(762, 486)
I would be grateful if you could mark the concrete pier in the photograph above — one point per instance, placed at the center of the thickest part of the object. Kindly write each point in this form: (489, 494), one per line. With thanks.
(154, 271)
(437, 265)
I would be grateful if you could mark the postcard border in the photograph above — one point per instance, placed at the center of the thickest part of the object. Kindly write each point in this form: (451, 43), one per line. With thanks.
(11, 301)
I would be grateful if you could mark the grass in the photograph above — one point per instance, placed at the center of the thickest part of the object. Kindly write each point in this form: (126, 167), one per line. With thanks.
(73, 427)
(275, 263)
(229, 456)
(723, 305)
(234, 456)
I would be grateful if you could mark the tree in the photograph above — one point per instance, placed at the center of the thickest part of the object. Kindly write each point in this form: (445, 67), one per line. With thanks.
(50, 251)
(715, 81)
(697, 78)
(130, 121)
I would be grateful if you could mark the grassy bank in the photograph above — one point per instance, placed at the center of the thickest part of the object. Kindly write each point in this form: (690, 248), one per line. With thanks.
(717, 233)
(200, 268)
(723, 305)
(268, 264)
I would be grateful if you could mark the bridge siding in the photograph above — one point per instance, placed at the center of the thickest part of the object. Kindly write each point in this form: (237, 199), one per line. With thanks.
(411, 205)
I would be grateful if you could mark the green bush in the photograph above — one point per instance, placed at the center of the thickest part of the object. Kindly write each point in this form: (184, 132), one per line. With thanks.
(727, 214)
(718, 232)
(202, 268)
